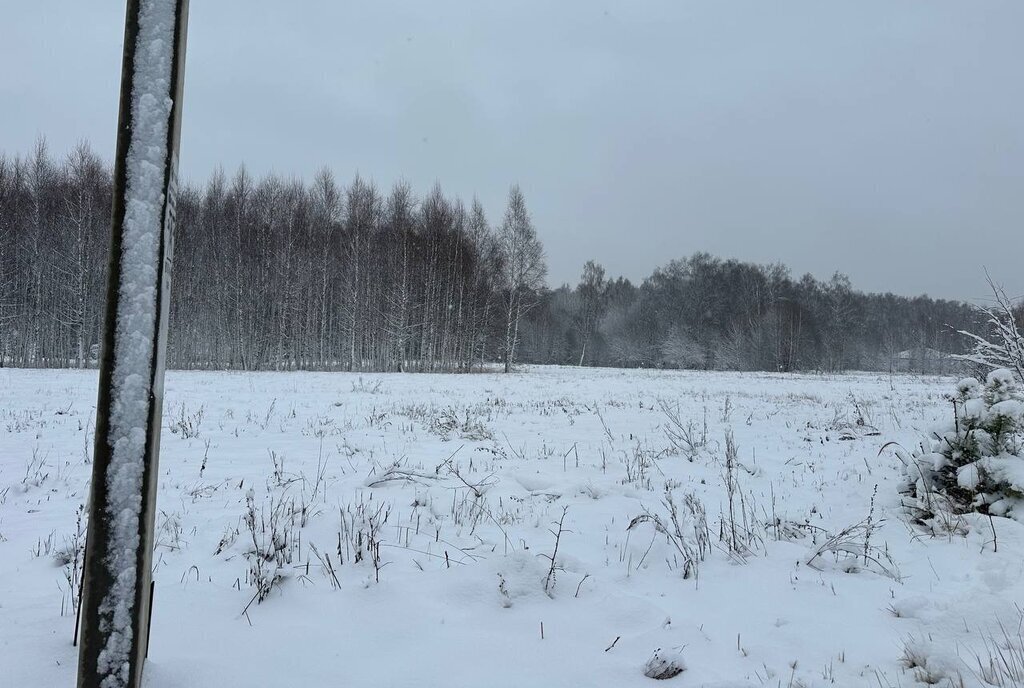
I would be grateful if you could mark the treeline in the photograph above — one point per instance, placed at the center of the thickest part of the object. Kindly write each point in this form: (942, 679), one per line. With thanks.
(271, 273)
(706, 313)
(281, 274)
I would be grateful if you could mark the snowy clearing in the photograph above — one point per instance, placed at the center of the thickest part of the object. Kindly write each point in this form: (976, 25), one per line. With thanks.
(400, 531)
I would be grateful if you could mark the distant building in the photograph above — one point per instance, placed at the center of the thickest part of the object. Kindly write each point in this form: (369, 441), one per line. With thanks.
(926, 361)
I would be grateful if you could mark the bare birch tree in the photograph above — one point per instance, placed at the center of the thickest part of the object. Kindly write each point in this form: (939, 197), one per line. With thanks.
(525, 268)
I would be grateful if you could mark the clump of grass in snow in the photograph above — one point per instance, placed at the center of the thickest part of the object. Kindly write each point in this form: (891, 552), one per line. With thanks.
(1000, 663)
(738, 528)
(664, 665)
(852, 551)
(274, 536)
(187, 425)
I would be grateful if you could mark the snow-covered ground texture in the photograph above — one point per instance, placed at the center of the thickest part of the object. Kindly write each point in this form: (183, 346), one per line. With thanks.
(398, 530)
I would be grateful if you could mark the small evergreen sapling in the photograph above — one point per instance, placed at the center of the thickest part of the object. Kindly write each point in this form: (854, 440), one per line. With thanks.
(976, 462)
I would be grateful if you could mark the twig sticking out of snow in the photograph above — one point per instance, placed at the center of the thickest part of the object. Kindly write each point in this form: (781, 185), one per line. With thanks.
(549, 580)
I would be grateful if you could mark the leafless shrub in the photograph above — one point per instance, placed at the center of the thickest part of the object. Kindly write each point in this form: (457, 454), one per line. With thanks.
(685, 438)
(549, 580)
(689, 535)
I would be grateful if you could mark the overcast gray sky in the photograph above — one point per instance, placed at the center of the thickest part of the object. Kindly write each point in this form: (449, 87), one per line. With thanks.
(883, 139)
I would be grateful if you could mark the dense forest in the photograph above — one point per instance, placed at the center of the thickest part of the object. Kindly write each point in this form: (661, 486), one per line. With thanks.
(703, 312)
(277, 273)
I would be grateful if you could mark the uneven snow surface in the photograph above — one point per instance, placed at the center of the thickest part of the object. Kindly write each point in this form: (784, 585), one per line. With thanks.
(404, 524)
(136, 321)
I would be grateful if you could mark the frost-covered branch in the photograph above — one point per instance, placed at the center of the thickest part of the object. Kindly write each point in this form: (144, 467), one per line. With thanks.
(1003, 345)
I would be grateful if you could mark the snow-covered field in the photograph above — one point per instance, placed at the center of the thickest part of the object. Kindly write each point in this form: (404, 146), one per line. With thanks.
(403, 528)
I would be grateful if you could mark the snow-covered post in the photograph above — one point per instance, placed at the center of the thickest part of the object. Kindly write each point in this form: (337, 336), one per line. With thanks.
(116, 586)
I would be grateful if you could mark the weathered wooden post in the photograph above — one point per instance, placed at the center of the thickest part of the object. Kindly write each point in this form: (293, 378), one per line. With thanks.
(116, 585)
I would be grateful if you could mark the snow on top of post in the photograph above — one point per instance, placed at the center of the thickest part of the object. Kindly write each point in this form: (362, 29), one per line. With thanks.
(136, 322)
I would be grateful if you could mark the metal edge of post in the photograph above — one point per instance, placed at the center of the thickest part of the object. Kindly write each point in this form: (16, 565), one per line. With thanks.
(96, 578)
(144, 587)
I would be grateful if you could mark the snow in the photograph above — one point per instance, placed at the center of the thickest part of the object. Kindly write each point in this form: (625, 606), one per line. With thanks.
(969, 388)
(968, 476)
(974, 408)
(1012, 409)
(1001, 385)
(1007, 469)
(136, 323)
(459, 597)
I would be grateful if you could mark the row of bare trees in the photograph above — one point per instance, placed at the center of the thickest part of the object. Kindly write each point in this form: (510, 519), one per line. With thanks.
(54, 230)
(271, 273)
